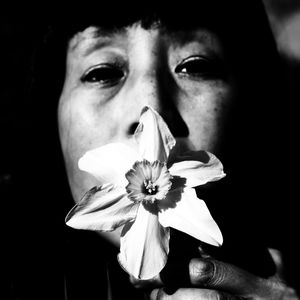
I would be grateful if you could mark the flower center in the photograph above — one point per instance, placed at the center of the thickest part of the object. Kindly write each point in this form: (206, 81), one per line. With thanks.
(150, 187)
(148, 181)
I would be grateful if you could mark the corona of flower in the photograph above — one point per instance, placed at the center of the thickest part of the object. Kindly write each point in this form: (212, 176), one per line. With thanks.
(148, 182)
(147, 189)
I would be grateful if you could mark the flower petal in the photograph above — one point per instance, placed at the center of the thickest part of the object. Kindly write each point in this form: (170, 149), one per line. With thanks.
(102, 208)
(153, 136)
(144, 246)
(198, 167)
(191, 215)
(109, 163)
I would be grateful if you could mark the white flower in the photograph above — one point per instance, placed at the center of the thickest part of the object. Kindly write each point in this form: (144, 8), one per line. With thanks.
(147, 193)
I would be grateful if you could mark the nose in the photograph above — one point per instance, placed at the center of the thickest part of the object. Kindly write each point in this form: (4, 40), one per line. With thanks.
(157, 89)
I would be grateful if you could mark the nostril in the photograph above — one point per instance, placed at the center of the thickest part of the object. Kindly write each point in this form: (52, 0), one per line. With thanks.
(132, 128)
(176, 124)
(178, 129)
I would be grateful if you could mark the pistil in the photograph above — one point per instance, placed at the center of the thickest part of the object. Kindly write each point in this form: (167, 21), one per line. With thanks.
(151, 188)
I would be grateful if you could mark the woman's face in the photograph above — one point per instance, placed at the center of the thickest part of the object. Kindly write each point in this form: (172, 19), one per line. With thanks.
(111, 76)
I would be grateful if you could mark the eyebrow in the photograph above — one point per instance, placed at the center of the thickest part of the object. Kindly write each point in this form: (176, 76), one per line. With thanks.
(94, 38)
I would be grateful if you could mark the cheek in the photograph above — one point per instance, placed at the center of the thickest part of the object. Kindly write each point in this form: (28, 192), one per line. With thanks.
(82, 127)
(205, 114)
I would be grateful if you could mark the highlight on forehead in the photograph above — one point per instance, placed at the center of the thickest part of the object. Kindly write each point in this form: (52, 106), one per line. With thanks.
(218, 17)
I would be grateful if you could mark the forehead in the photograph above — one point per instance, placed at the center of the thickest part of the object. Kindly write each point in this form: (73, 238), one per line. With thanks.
(94, 37)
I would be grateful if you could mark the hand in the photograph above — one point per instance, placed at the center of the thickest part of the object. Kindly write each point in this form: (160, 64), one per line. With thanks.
(213, 279)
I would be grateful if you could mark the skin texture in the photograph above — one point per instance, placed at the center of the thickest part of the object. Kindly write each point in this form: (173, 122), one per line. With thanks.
(110, 77)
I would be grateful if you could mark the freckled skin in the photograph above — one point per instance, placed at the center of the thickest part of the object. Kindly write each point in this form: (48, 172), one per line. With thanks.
(92, 114)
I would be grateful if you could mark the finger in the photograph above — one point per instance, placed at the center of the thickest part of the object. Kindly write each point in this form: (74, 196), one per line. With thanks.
(191, 294)
(226, 277)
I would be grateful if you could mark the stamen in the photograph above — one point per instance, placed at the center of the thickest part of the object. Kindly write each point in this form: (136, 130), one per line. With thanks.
(150, 187)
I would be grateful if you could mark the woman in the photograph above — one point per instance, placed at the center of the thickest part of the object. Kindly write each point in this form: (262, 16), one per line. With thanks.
(214, 88)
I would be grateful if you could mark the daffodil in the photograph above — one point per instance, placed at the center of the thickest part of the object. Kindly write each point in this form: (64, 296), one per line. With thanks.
(147, 189)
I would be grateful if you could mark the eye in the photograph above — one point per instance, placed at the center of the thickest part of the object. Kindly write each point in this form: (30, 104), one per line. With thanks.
(105, 74)
(198, 66)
